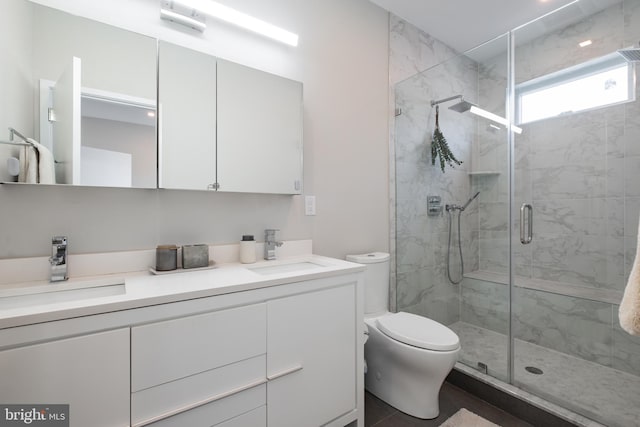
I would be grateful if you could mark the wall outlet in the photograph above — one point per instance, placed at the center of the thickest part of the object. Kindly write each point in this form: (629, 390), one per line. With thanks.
(309, 205)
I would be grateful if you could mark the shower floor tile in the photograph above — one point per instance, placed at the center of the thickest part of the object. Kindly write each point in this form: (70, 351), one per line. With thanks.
(598, 392)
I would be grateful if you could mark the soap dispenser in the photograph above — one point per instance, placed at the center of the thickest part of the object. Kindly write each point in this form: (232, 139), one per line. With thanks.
(247, 249)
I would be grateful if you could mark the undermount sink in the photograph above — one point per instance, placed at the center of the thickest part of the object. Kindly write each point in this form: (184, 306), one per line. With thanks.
(28, 296)
(286, 268)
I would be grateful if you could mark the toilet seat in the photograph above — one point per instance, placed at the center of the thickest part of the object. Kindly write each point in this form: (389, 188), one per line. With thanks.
(418, 331)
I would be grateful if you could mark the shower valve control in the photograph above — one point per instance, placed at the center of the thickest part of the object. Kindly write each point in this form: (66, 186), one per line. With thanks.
(434, 205)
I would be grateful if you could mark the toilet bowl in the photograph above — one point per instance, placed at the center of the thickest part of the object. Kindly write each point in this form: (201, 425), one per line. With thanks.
(409, 376)
(407, 356)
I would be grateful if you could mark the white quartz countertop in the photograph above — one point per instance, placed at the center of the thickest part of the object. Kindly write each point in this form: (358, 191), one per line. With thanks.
(143, 289)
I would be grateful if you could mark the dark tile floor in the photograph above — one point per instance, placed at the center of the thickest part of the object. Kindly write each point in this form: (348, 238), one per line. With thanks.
(452, 398)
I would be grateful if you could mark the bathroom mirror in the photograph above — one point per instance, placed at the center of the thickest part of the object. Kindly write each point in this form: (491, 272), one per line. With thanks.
(187, 113)
(259, 131)
(227, 127)
(83, 89)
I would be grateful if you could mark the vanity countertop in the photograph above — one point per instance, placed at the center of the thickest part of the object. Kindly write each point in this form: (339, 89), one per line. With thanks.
(143, 289)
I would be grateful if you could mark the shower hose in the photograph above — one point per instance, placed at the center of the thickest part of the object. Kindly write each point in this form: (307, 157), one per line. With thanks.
(459, 247)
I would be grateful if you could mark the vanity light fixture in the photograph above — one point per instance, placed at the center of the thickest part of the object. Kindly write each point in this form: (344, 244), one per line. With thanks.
(182, 14)
(232, 16)
(494, 117)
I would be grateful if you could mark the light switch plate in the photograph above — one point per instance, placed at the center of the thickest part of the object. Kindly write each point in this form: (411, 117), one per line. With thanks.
(309, 205)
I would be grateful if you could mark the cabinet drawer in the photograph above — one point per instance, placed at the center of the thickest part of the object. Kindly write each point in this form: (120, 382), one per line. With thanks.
(166, 351)
(220, 411)
(255, 418)
(90, 373)
(194, 391)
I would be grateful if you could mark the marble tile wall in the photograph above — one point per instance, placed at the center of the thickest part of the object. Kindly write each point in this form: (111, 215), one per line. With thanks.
(424, 69)
(492, 155)
(575, 326)
(581, 172)
(485, 304)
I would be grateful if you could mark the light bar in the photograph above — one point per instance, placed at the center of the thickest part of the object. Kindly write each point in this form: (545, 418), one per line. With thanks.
(242, 20)
(494, 117)
(170, 15)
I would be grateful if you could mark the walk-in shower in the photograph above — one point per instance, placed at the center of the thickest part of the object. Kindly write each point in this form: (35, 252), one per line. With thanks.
(540, 316)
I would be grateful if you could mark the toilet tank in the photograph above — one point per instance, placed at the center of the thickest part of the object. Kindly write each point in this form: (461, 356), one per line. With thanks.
(376, 281)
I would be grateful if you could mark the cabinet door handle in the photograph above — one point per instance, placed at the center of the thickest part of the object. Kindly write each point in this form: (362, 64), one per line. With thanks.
(201, 402)
(280, 374)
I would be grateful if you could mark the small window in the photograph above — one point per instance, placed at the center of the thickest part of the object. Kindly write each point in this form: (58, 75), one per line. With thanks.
(594, 84)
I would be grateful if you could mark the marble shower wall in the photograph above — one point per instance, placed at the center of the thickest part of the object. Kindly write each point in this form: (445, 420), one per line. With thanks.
(576, 326)
(421, 241)
(573, 167)
(491, 164)
(581, 173)
(411, 51)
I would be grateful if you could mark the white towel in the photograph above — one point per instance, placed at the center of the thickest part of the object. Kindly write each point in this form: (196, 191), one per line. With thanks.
(629, 312)
(28, 165)
(46, 164)
(36, 164)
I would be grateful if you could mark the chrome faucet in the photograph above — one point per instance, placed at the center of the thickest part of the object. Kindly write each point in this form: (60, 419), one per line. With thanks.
(58, 258)
(270, 244)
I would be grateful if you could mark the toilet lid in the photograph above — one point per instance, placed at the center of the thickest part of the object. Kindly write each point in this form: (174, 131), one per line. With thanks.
(418, 331)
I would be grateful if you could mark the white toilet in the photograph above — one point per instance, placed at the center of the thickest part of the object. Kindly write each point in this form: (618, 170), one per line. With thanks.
(408, 356)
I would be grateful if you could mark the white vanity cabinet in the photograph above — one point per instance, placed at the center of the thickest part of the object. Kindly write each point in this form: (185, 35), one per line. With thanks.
(289, 353)
(198, 370)
(311, 357)
(295, 354)
(88, 372)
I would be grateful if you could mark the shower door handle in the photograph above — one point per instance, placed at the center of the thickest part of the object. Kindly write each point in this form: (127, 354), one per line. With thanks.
(526, 236)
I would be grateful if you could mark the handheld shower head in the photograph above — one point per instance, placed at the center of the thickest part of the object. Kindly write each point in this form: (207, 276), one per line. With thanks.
(469, 201)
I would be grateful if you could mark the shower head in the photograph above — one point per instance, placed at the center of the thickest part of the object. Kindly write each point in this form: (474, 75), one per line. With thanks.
(470, 200)
(631, 54)
(462, 106)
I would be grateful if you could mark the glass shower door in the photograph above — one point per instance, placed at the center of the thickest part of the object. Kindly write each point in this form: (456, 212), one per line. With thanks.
(577, 166)
(484, 293)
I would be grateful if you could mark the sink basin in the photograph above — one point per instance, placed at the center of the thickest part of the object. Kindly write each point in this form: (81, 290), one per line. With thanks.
(59, 292)
(286, 268)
